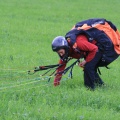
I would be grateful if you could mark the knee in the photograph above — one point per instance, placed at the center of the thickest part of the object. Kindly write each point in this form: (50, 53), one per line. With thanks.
(88, 68)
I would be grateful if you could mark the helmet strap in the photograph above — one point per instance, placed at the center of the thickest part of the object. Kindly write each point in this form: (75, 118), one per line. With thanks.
(65, 57)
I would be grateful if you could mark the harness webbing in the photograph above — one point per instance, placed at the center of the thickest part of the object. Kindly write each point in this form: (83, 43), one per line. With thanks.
(68, 68)
(55, 67)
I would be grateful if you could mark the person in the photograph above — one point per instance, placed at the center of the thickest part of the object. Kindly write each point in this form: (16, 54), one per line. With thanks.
(96, 40)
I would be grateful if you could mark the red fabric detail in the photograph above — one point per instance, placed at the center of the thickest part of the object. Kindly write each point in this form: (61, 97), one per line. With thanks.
(59, 76)
(57, 81)
(84, 45)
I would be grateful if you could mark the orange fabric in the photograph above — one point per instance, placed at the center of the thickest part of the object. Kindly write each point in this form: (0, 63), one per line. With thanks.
(113, 35)
(85, 27)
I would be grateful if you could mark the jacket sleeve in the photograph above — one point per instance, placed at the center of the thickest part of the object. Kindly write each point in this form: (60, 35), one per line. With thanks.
(84, 45)
(59, 75)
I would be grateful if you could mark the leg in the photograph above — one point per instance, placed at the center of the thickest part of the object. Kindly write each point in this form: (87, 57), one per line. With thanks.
(98, 80)
(90, 71)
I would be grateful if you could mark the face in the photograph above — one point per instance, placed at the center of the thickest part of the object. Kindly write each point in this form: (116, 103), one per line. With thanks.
(61, 52)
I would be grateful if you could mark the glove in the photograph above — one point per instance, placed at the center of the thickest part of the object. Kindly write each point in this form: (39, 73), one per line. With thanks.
(56, 82)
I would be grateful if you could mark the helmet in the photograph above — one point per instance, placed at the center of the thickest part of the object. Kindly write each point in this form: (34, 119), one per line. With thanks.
(61, 43)
(58, 43)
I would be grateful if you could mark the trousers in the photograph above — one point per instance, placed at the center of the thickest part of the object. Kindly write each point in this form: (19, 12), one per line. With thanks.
(91, 77)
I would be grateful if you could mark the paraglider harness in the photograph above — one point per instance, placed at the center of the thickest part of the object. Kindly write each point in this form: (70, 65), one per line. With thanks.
(93, 29)
(103, 32)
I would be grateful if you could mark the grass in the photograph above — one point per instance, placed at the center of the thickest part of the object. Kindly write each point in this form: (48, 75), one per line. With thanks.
(27, 29)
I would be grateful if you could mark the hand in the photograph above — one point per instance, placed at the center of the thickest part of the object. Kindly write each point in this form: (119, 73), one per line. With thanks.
(57, 80)
(82, 64)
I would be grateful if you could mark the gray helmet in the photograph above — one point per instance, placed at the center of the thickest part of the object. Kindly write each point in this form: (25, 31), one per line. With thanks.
(58, 43)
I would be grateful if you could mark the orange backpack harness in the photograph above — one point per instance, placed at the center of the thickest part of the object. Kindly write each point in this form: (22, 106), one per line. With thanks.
(102, 25)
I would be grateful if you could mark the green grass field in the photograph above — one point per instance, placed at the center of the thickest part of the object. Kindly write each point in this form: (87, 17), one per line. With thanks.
(27, 28)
